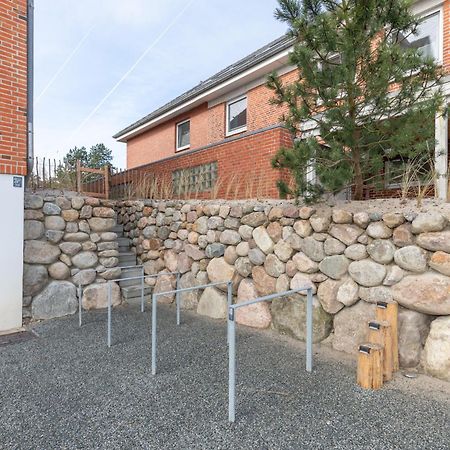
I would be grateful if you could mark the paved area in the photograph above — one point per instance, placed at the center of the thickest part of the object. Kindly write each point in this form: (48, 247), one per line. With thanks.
(67, 390)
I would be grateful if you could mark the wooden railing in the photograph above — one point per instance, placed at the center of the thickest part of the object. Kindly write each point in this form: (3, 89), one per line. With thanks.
(97, 187)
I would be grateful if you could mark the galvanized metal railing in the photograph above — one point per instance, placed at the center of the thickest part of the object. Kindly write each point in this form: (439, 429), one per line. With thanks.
(177, 292)
(232, 340)
(109, 295)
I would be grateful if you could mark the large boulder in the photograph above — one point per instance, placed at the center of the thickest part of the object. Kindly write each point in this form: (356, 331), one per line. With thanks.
(440, 261)
(378, 230)
(283, 250)
(87, 276)
(347, 234)
(426, 222)
(435, 241)
(58, 299)
(33, 229)
(381, 251)
(264, 283)
(219, 270)
(367, 273)
(413, 329)
(411, 258)
(254, 219)
(333, 246)
(100, 224)
(256, 315)
(334, 266)
(350, 326)
(428, 293)
(35, 277)
(263, 240)
(189, 299)
(436, 354)
(327, 294)
(165, 283)
(213, 303)
(59, 271)
(230, 237)
(40, 252)
(289, 317)
(85, 260)
(273, 266)
(313, 249)
(95, 296)
(403, 236)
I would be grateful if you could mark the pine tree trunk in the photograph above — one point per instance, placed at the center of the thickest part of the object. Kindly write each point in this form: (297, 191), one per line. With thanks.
(359, 182)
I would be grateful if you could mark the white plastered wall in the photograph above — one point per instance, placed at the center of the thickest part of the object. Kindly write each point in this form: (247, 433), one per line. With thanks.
(11, 253)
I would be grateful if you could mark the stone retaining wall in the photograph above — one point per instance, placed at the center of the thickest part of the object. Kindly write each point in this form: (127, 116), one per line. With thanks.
(350, 259)
(67, 242)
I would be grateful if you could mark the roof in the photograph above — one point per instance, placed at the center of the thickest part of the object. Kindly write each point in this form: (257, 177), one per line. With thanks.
(269, 50)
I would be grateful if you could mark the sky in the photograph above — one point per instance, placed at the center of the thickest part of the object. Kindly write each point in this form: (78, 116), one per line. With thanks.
(101, 65)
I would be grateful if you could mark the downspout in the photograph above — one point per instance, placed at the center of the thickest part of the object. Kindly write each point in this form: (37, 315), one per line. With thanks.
(30, 85)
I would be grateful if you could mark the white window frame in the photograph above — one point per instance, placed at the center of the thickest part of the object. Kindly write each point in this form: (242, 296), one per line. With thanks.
(185, 147)
(423, 14)
(227, 114)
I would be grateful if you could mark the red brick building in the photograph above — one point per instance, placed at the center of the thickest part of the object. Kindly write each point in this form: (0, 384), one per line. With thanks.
(226, 128)
(15, 115)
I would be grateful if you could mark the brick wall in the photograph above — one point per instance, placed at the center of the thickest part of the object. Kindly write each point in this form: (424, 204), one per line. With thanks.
(446, 38)
(207, 127)
(244, 164)
(13, 86)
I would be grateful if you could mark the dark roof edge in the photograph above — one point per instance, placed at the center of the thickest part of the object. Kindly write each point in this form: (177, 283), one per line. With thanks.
(258, 56)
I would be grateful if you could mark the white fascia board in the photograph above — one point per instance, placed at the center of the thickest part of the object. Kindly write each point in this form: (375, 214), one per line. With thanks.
(256, 72)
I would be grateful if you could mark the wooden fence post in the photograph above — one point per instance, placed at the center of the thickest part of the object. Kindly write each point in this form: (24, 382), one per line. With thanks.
(388, 311)
(107, 182)
(370, 362)
(380, 333)
(78, 176)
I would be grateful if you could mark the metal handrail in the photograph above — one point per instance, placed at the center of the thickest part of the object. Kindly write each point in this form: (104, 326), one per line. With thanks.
(177, 292)
(232, 340)
(109, 306)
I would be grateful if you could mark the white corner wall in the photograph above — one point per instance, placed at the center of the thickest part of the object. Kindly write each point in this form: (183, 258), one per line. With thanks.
(11, 252)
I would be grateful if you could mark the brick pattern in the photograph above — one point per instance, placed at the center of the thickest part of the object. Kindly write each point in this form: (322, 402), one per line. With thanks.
(207, 127)
(244, 165)
(446, 37)
(13, 86)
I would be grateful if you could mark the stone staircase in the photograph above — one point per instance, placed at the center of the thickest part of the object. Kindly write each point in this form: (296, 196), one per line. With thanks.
(131, 289)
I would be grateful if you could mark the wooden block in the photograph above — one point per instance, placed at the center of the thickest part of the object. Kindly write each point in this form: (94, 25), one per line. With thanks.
(388, 311)
(380, 333)
(370, 363)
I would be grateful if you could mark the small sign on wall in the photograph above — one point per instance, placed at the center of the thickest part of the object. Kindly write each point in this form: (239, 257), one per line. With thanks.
(17, 182)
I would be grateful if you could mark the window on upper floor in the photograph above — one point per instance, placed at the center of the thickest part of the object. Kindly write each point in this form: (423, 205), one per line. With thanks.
(428, 37)
(237, 115)
(183, 135)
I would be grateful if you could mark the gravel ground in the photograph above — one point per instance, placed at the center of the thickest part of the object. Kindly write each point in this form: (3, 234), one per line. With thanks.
(67, 390)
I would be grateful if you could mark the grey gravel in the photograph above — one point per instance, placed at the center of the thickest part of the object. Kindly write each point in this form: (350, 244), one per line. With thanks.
(67, 390)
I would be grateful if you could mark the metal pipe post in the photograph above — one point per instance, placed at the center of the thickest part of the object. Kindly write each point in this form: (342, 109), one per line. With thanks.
(109, 314)
(231, 366)
(154, 302)
(177, 299)
(229, 301)
(142, 290)
(309, 330)
(79, 305)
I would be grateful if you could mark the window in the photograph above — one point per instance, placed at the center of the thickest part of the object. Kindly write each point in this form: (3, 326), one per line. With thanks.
(183, 135)
(400, 172)
(237, 116)
(194, 179)
(427, 39)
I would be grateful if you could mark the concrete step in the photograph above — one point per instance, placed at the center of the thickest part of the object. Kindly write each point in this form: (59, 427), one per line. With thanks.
(118, 229)
(128, 261)
(135, 292)
(129, 273)
(124, 242)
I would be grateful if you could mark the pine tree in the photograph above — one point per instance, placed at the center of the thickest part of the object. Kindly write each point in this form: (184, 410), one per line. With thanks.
(363, 88)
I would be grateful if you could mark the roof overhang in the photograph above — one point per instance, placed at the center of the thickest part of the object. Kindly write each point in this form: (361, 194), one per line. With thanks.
(273, 63)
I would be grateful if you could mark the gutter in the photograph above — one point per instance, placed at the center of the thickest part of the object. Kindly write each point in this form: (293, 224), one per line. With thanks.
(30, 87)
